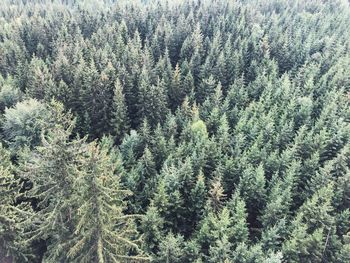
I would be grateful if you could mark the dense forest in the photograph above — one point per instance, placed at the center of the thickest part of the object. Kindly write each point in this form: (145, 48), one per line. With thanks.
(175, 131)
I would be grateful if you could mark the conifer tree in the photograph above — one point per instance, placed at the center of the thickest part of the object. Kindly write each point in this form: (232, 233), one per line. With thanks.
(151, 100)
(312, 229)
(171, 249)
(152, 226)
(228, 120)
(160, 145)
(40, 83)
(120, 121)
(176, 93)
(198, 199)
(24, 123)
(206, 88)
(51, 169)
(12, 217)
(279, 199)
(216, 195)
(252, 190)
(239, 223)
(344, 252)
(9, 94)
(214, 233)
(142, 179)
(102, 233)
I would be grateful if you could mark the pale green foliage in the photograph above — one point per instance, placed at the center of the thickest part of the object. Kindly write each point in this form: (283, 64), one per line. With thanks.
(171, 249)
(52, 168)
(12, 217)
(9, 96)
(24, 123)
(102, 232)
(199, 129)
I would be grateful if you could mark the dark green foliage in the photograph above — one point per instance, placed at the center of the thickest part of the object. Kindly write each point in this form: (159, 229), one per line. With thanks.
(120, 121)
(175, 131)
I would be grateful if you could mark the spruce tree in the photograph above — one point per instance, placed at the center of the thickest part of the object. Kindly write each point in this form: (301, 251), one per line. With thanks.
(13, 216)
(102, 232)
(171, 249)
(312, 230)
(120, 121)
(51, 169)
(152, 226)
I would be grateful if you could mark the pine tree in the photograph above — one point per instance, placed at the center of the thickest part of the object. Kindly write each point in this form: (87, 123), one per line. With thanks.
(160, 146)
(272, 237)
(344, 253)
(51, 169)
(102, 111)
(102, 233)
(244, 253)
(12, 216)
(40, 83)
(161, 198)
(174, 201)
(176, 94)
(96, 98)
(198, 199)
(239, 216)
(152, 227)
(252, 190)
(9, 94)
(152, 103)
(312, 230)
(187, 83)
(142, 180)
(120, 121)
(171, 249)
(220, 252)
(215, 232)
(216, 195)
(223, 134)
(206, 88)
(280, 198)
(131, 148)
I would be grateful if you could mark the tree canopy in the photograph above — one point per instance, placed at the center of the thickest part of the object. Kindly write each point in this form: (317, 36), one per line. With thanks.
(175, 131)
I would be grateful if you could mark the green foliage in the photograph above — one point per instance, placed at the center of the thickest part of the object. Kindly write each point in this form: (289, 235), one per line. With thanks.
(101, 231)
(199, 129)
(311, 229)
(120, 121)
(51, 170)
(24, 123)
(9, 96)
(12, 217)
(152, 227)
(171, 249)
(188, 131)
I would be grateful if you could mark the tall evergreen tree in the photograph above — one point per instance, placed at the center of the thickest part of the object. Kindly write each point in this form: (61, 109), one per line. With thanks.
(102, 233)
(12, 216)
(51, 169)
(120, 121)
